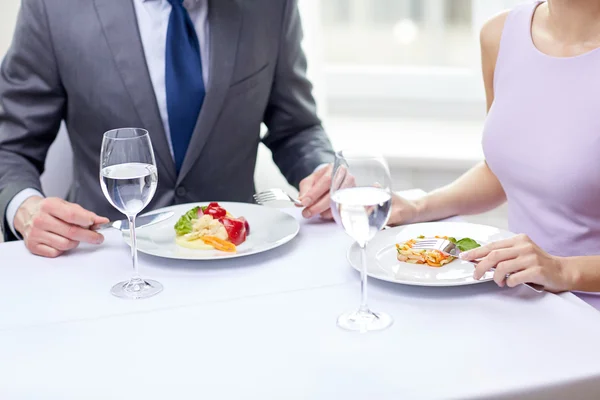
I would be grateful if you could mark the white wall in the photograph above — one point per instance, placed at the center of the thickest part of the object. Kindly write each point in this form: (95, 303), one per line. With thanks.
(8, 13)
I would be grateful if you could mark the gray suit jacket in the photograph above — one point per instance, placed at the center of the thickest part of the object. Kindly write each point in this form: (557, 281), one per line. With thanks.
(82, 61)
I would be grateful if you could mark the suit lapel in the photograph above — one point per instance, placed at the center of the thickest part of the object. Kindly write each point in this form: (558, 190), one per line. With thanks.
(225, 21)
(119, 23)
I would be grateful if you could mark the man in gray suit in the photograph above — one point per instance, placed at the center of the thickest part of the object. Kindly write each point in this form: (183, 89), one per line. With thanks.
(201, 76)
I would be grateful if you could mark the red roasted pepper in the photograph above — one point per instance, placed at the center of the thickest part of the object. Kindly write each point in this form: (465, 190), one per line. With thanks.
(215, 210)
(236, 229)
(246, 224)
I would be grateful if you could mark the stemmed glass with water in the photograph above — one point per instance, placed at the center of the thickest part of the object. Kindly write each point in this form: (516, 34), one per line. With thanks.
(128, 177)
(361, 200)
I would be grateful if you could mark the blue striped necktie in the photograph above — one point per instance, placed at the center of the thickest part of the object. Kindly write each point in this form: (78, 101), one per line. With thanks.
(184, 84)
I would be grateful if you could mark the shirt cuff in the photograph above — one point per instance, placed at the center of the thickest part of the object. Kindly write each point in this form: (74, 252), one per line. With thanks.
(15, 203)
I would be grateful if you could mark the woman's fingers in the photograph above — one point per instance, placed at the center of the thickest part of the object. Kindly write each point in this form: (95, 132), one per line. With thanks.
(530, 275)
(492, 259)
(483, 251)
(506, 268)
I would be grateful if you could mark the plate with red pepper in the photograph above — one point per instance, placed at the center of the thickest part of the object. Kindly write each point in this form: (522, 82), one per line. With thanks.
(217, 230)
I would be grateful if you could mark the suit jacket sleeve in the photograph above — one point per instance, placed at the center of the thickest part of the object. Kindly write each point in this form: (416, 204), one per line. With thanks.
(296, 137)
(32, 103)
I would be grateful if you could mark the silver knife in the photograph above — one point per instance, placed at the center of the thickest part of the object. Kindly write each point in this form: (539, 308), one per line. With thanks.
(140, 222)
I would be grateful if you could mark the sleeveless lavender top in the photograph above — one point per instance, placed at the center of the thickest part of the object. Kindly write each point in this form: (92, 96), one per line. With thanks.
(542, 140)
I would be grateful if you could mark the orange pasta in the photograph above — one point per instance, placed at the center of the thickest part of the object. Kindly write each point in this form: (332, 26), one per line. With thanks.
(433, 258)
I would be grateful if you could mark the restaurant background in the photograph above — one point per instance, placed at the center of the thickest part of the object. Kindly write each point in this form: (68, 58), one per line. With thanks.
(402, 76)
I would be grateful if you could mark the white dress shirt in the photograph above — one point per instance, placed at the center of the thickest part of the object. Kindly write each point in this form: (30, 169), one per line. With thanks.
(153, 22)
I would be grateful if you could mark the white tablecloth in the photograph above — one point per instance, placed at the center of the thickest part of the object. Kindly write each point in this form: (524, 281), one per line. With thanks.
(264, 327)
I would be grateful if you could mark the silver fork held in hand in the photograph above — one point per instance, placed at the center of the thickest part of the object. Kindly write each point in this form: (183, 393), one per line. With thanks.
(275, 195)
(447, 247)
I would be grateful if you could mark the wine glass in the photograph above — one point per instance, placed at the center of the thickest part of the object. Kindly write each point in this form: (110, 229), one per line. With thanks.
(128, 177)
(361, 201)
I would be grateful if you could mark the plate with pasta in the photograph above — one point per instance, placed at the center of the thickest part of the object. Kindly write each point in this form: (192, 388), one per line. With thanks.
(390, 256)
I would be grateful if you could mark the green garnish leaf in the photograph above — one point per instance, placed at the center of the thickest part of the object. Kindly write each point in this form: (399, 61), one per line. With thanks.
(420, 237)
(465, 244)
(184, 225)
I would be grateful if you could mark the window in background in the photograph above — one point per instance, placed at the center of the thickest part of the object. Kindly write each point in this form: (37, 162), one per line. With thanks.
(379, 54)
(398, 32)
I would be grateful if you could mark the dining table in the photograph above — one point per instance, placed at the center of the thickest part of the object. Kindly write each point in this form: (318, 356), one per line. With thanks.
(264, 327)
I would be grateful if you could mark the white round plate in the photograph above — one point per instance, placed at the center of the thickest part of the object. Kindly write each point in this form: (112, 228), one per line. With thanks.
(383, 264)
(269, 228)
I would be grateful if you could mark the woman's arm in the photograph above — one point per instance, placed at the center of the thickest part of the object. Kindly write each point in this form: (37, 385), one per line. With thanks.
(478, 190)
(585, 275)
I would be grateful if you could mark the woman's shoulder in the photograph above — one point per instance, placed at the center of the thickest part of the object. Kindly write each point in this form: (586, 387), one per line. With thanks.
(517, 20)
(490, 37)
(491, 34)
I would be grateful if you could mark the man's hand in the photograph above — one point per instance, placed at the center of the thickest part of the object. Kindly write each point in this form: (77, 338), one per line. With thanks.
(314, 193)
(52, 226)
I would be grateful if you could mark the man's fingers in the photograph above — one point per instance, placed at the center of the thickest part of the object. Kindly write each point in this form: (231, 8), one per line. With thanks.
(55, 241)
(101, 220)
(52, 226)
(69, 212)
(319, 189)
(76, 233)
(45, 251)
(322, 205)
(308, 182)
(327, 215)
(307, 186)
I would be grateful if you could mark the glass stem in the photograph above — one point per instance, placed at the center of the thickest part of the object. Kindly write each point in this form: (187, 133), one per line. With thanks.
(134, 255)
(363, 279)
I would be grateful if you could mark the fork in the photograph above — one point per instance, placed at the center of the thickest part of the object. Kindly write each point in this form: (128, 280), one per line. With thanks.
(447, 247)
(275, 195)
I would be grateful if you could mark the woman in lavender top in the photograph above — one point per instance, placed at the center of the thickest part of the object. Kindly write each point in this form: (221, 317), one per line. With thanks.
(541, 68)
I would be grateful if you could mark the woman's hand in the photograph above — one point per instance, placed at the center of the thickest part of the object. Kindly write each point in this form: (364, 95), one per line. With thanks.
(403, 211)
(522, 261)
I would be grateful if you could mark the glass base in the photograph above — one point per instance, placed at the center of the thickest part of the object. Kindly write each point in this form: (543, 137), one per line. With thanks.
(136, 289)
(364, 321)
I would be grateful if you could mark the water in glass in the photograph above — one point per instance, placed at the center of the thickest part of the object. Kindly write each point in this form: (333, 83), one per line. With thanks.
(130, 186)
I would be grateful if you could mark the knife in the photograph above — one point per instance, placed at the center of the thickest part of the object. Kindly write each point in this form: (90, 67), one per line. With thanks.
(140, 222)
